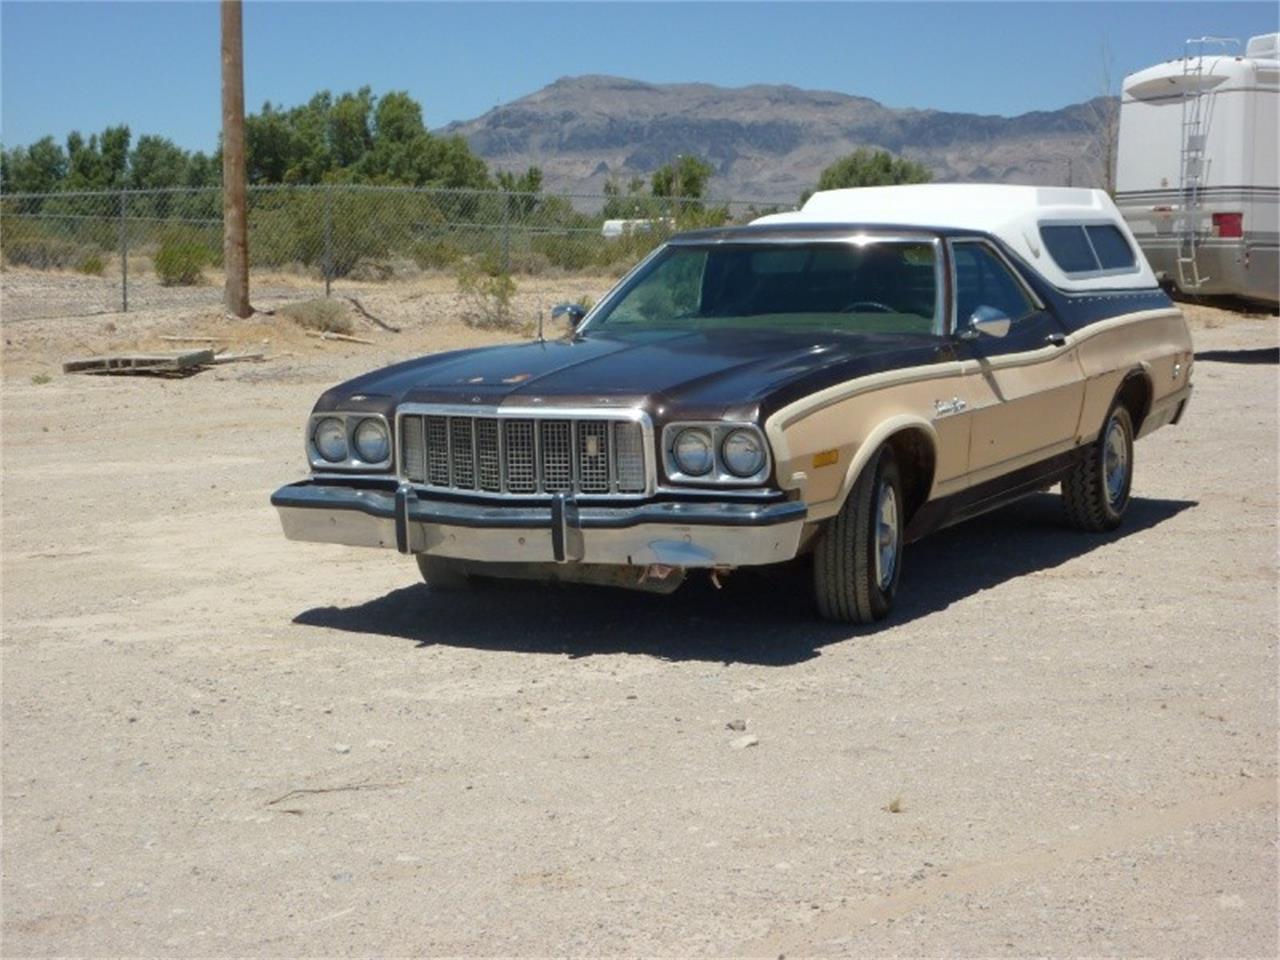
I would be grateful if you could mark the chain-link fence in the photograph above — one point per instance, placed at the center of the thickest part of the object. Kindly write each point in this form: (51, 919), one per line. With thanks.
(75, 253)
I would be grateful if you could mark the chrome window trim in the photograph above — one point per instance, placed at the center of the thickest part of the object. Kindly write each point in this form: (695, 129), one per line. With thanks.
(719, 475)
(1008, 265)
(852, 235)
(1090, 274)
(534, 413)
(350, 419)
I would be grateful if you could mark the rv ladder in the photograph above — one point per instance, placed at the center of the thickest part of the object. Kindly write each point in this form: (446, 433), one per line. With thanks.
(1196, 115)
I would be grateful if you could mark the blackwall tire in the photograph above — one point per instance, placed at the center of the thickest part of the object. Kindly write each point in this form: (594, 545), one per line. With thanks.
(1096, 492)
(857, 562)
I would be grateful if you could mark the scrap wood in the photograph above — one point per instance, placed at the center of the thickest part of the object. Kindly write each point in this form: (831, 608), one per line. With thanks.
(369, 316)
(326, 335)
(173, 339)
(238, 357)
(141, 363)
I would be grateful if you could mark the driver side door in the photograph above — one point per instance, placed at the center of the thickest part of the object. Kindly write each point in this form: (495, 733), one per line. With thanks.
(1028, 387)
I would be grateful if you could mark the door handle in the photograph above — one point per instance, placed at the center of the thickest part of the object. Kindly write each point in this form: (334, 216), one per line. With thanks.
(1057, 339)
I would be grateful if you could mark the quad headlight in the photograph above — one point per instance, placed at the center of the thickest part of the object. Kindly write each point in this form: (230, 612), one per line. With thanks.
(330, 439)
(715, 452)
(372, 442)
(693, 451)
(743, 452)
(348, 440)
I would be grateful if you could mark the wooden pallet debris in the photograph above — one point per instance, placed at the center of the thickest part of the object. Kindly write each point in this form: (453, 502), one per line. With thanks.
(172, 339)
(163, 364)
(238, 358)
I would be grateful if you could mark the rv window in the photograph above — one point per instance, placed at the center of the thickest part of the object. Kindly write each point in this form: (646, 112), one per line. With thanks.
(1069, 248)
(1113, 250)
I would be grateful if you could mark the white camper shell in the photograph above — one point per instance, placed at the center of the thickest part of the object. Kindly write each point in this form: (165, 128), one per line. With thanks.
(1197, 175)
(1020, 216)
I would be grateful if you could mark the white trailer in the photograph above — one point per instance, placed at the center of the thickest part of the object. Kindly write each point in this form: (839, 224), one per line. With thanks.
(1197, 175)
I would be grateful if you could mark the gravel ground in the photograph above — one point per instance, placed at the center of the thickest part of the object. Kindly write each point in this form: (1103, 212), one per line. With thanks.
(217, 742)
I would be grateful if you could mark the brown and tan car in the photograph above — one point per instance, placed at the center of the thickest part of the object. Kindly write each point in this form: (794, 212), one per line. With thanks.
(838, 381)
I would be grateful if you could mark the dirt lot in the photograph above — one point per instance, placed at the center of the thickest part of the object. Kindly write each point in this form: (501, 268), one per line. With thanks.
(217, 742)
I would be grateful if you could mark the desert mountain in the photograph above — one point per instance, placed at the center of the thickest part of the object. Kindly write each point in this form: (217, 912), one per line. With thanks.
(767, 142)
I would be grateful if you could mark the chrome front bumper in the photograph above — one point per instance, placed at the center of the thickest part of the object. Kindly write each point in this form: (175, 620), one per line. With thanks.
(674, 533)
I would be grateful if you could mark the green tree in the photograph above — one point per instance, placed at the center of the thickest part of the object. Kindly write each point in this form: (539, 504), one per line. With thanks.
(527, 186)
(684, 177)
(629, 205)
(38, 168)
(870, 168)
(157, 162)
(351, 138)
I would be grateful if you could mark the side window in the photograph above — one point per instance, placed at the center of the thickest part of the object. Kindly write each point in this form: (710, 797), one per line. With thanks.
(1083, 249)
(1113, 250)
(1069, 248)
(982, 280)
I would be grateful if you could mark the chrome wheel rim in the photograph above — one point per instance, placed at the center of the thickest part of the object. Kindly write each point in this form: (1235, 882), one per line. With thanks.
(1115, 463)
(886, 535)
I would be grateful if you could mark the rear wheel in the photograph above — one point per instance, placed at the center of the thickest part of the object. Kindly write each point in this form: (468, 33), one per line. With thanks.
(858, 560)
(442, 574)
(1096, 492)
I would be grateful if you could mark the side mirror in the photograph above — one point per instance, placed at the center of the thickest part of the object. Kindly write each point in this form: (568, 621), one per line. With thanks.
(574, 311)
(988, 321)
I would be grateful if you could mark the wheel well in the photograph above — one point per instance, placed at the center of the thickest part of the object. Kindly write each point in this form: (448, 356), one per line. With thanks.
(1135, 395)
(916, 461)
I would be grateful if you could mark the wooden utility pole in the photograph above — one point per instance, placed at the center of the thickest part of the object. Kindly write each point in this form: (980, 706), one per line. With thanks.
(235, 214)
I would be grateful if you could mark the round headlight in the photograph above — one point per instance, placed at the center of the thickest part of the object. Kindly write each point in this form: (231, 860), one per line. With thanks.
(743, 453)
(372, 442)
(330, 439)
(692, 452)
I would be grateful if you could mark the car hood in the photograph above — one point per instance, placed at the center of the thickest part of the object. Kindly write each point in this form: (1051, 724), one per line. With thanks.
(700, 373)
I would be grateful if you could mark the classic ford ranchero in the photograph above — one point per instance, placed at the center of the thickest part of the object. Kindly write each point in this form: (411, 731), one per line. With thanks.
(836, 381)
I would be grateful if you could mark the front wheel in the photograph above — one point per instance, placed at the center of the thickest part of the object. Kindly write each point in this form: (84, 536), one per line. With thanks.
(858, 560)
(1096, 492)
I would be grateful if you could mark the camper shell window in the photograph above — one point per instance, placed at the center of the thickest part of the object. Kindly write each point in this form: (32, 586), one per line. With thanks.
(1088, 249)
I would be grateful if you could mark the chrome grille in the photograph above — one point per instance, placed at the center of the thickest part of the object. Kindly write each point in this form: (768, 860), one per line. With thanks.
(437, 440)
(462, 467)
(524, 455)
(557, 455)
(488, 455)
(522, 471)
(593, 456)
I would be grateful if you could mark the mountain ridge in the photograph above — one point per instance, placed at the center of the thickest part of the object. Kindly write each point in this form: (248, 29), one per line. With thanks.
(768, 141)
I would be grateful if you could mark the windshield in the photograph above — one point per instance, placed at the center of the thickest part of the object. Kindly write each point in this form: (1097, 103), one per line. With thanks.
(858, 286)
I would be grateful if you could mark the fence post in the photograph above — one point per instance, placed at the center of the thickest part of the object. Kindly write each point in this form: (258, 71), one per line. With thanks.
(124, 251)
(506, 233)
(328, 238)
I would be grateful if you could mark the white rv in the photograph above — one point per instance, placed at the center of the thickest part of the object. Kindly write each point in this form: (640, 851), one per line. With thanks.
(1197, 171)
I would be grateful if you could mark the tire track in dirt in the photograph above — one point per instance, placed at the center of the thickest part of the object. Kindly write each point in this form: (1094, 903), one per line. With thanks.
(808, 940)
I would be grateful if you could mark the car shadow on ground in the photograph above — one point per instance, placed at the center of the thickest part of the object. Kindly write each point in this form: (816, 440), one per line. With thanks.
(762, 617)
(1269, 355)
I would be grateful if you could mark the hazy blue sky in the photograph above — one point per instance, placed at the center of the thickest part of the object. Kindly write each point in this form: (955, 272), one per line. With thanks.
(155, 66)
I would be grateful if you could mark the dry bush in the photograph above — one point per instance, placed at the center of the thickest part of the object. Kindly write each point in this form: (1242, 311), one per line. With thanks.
(488, 299)
(327, 316)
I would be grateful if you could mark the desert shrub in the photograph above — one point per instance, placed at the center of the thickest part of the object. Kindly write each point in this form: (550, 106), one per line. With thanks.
(27, 244)
(568, 252)
(435, 254)
(372, 271)
(92, 264)
(181, 259)
(327, 316)
(488, 298)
